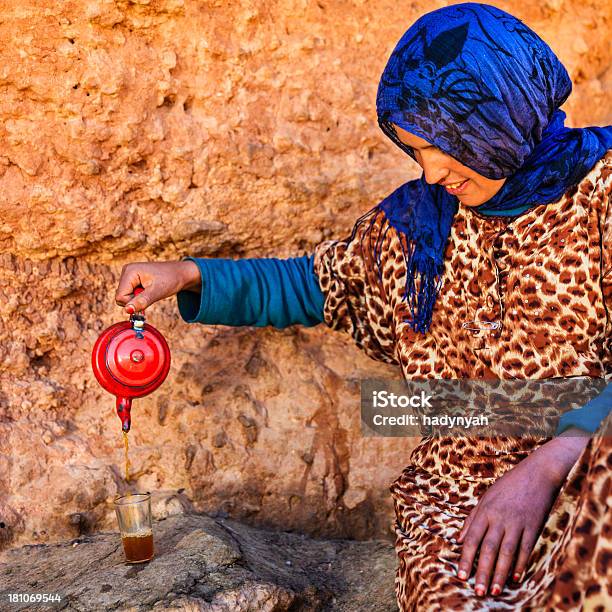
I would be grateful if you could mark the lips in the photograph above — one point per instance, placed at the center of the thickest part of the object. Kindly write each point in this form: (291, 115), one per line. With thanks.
(456, 188)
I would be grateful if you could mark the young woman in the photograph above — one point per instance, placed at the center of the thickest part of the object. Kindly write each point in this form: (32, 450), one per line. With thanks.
(496, 263)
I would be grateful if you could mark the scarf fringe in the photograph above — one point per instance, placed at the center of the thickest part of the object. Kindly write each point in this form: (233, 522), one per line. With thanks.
(423, 276)
(423, 283)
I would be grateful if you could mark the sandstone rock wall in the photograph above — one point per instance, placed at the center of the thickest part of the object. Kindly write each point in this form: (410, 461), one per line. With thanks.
(155, 129)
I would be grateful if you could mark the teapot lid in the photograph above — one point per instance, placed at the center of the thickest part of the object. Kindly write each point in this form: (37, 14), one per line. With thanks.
(135, 360)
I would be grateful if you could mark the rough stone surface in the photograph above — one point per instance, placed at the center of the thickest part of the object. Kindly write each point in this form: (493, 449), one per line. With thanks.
(154, 129)
(205, 565)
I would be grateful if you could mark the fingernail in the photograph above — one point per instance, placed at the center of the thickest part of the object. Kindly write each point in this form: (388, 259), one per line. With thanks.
(462, 574)
(130, 309)
(480, 590)
(495, 589)
(516, 577)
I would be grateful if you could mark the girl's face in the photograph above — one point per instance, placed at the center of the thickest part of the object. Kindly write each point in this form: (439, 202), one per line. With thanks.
(471, 188)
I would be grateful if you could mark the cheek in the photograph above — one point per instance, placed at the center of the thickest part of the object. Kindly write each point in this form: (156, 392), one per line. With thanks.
(479, 186)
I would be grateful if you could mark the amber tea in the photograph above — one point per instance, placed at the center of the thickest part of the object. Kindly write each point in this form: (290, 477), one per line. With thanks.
(138, 547)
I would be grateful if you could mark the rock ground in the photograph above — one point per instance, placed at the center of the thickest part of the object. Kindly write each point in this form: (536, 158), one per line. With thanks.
(205, 564)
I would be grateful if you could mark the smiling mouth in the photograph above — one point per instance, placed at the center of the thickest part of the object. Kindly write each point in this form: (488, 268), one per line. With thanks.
(455, 185)
(456, 188)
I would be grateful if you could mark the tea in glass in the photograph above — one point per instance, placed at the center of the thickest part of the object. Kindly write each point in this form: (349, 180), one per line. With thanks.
(134, 517)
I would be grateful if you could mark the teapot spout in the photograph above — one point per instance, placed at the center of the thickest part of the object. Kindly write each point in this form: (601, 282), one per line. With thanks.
(124, 407)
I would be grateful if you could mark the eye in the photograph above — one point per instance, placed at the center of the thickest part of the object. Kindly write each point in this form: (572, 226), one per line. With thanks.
(406, 148)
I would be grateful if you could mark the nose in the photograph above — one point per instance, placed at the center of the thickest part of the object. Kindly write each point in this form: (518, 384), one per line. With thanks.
(434, 166)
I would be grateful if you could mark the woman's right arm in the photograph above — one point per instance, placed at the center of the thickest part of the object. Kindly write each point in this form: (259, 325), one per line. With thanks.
(341, 284)
(236, 292)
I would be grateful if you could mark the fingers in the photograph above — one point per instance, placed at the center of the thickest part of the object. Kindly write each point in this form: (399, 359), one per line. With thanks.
(527, 541)
(471, 542)
(138, 303)
(131, 279)
(486, 562)
(158, 280)
(505, 557)
(128, 281)
(466, 524)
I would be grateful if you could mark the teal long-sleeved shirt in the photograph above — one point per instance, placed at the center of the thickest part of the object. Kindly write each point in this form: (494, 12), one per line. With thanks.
(589, 416)
(282, 292)
(258, 292)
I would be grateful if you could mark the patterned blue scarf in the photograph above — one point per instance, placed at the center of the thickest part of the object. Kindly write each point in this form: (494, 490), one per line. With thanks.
(482, 87)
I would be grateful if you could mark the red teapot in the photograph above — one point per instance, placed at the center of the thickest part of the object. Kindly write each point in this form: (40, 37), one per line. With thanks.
(130, 359)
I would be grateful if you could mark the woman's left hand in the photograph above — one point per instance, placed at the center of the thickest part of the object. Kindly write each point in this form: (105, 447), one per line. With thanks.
(508, 517)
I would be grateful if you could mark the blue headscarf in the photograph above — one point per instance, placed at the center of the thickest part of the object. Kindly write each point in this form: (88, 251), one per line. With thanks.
(482, 87)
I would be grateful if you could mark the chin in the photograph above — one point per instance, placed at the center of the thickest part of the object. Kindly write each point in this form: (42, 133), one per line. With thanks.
(471, 200)
(467, 201)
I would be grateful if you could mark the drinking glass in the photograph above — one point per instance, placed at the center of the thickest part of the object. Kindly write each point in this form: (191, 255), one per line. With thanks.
(134, 518)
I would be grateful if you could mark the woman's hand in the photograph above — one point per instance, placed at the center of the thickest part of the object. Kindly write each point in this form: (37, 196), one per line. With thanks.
(507, 519)
(159, 280)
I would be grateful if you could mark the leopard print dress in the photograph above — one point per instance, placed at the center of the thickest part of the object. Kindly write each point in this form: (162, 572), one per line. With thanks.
(546, 277)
